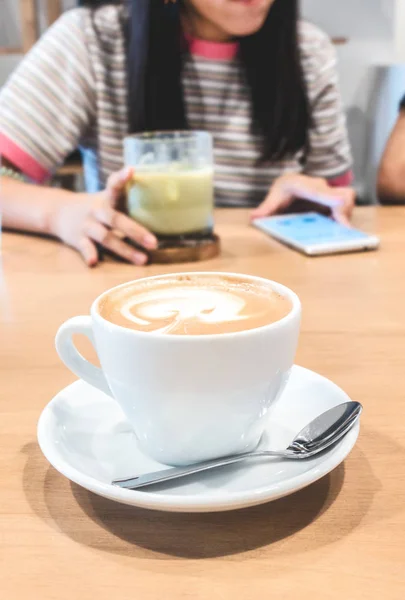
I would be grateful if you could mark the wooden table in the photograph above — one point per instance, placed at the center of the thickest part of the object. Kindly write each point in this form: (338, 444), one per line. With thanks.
(341, 538)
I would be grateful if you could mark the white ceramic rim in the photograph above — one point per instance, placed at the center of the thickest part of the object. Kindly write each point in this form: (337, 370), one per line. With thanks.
(213, 502)
(278, 287)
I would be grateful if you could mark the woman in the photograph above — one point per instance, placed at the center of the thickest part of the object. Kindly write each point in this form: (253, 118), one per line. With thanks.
(391, 180)
(249, 71)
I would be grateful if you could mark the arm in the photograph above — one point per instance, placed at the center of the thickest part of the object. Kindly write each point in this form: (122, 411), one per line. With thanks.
(45, 109)
(329, 154)
(29, 207)
(391, 174)
(48, 104)
(328, 163)
(79, 220)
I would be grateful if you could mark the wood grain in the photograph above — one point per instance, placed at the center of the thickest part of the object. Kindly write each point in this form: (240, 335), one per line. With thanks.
(5, 51)
(53, 10)
(29, 24)
(191, 251)
(343, 537)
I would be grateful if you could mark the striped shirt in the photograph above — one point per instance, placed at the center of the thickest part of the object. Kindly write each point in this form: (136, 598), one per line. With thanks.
(71, 91)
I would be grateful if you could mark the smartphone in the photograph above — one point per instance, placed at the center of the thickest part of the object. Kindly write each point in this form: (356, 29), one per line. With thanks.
(315, 235)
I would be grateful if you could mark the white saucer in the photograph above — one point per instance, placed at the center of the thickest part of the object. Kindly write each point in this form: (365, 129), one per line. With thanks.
(85, 437)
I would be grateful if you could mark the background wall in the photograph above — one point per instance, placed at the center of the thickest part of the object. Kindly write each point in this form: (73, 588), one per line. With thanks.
(9, 36)
(371, 65)
(372, 72)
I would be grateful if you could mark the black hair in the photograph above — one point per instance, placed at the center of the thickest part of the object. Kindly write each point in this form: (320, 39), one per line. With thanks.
(272, 68)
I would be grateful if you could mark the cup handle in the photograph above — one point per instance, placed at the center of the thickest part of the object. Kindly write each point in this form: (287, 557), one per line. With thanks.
(73, 359)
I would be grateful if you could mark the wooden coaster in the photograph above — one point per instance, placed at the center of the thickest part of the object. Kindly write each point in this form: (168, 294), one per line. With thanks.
(187, 251)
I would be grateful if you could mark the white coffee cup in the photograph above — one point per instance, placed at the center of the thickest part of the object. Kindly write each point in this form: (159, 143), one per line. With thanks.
(189, 397)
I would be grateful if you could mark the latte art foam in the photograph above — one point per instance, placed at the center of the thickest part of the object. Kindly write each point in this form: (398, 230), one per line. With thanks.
(191, 305)
(180, 305)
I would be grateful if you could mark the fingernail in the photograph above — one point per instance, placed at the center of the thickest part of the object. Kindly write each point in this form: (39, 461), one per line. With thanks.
(149, 241)
(91, 261)
(125, 174)
(139, 259)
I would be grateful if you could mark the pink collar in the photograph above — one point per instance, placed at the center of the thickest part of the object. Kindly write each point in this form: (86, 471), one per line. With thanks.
(212, 50)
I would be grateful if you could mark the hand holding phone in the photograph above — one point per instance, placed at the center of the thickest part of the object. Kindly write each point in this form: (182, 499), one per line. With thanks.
(296, 193)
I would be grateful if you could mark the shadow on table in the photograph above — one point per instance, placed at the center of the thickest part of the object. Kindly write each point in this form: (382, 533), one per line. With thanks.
(118, 529)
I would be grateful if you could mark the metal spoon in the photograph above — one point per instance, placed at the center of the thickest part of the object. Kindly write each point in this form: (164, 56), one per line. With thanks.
(319, 434)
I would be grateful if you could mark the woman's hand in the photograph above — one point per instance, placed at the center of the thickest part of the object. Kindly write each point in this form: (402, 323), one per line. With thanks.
(288, 188)
(91, 219)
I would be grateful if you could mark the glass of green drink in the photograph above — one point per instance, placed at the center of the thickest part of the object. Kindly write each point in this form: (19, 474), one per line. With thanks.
(172, 190)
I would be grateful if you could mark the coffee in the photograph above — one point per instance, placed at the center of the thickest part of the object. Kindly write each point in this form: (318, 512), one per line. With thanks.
(190, 397)
(194, 305)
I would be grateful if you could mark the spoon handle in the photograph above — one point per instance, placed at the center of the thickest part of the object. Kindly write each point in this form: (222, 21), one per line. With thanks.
(134, 483)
